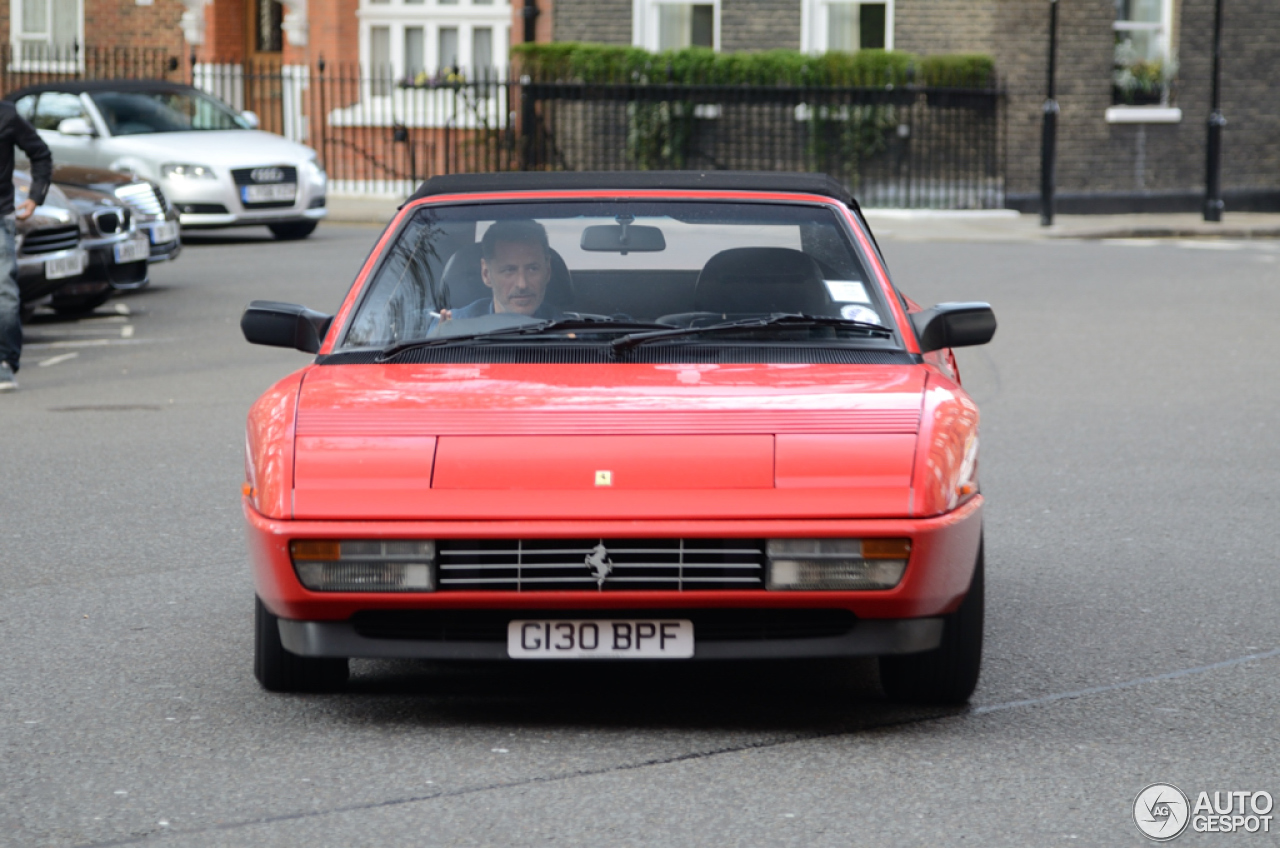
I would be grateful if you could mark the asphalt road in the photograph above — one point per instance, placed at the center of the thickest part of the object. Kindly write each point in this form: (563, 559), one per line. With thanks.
(1130, 465)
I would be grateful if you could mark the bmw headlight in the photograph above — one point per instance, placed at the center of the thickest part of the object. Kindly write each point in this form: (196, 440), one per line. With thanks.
(186, 171)
(836, 564)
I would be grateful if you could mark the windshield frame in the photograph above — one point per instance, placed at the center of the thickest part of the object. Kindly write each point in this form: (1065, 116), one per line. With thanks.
(857, 239)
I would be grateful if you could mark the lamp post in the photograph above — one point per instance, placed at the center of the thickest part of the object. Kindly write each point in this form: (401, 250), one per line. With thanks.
(1049, 130)
(1213, 204)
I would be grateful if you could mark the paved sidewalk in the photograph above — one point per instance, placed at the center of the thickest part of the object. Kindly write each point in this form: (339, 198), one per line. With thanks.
(929, 225)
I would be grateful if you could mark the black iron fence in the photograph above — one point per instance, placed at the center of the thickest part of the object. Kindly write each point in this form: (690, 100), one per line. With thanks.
(381, 132)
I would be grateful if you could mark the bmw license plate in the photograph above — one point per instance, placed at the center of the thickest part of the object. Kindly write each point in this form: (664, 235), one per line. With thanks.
(61, 267)
(133, 250)
(273, 193)
(164, 232)
(614, 639)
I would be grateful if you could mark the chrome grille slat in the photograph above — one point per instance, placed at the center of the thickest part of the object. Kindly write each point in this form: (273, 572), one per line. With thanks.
(561, 564)
(142, 196)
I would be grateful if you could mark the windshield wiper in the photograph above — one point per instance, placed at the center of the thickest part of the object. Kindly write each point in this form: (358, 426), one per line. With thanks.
(787, 321)
(553, 325)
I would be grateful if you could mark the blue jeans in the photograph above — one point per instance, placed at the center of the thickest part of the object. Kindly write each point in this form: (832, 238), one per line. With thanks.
(10, 323)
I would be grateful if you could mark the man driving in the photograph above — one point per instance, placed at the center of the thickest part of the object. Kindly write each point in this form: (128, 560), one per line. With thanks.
(516, 264)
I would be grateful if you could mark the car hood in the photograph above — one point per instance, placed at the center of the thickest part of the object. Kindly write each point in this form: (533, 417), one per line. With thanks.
(218, 148)
(465, 441)
(99, 179)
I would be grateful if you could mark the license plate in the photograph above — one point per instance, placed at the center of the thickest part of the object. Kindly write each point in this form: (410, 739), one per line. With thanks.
(581, 639)
(133, 250)
(164, 232)
(71, 265)
(274, 193)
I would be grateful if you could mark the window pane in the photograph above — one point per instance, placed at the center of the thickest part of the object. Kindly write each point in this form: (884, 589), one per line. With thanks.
(703, 27)
(481, 49)
(1140, 11)
(66, 24)
(842, 27)
(414, 52)
(268, 35)
(380, 59)
(872, 20)
(448, 47)
(54, 107)
(675, 23)
(35, 16)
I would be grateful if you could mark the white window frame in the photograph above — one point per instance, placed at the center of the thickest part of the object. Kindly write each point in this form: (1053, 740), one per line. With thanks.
(644, 21)
(17, 63)
(814, 17)
(465, 15)
(1165, 31)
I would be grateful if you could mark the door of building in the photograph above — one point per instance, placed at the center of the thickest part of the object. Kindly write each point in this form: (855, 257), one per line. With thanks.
(264, 51)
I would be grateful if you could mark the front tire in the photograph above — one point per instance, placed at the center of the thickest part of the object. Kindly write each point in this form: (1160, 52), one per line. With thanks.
(948, 674)
(280, 671)
(292, 230)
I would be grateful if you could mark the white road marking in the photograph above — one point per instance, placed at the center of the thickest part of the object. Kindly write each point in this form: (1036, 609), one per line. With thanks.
(1211, 245)
(54, 360)
(126, 332)
(122, 309)
(92, 343)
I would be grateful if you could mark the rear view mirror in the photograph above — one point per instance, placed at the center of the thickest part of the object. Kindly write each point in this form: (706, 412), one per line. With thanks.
(250, 119)
(267, 322)
(954, 325)
(623, 238)
(75, 126)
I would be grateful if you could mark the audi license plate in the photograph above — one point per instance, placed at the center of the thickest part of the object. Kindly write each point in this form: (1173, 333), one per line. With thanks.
(71, 265)
(584, 639)
(164, 232)
(132, 250)
(274, 193)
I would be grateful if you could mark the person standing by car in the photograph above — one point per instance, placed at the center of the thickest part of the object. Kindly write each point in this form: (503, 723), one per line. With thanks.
(14, 131)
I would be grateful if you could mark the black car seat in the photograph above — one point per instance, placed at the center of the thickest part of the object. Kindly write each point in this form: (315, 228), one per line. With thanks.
(762, 280)
(463, 284)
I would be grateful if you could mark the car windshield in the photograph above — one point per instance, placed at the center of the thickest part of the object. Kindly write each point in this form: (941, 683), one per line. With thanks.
(595, 271)
(140, 112)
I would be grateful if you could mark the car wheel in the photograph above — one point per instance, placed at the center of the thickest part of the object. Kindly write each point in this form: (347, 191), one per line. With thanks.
(280, 671)
(293, 230)
(949, 673)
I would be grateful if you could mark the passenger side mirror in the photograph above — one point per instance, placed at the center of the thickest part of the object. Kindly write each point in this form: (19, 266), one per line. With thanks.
(954, 325)
(76, 127)
(267, 322)
(251, 119)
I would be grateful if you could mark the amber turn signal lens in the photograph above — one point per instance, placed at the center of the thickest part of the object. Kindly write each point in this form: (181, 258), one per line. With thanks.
(246, 490)
(313, 549)
(886, 548)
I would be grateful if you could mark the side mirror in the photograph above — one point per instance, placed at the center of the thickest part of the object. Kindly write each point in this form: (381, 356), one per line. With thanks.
(267, 322)
(76, 126)
(954, 325)
(251, 118)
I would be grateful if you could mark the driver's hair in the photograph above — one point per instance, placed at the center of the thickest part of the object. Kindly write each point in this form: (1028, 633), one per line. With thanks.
(528, 232)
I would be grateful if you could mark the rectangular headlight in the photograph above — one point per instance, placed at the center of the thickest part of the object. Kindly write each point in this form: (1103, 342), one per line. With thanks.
(365, 566)
(836, 564)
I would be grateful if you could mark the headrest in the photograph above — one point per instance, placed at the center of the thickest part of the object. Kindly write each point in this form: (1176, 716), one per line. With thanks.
(463, 284)
(761, 279)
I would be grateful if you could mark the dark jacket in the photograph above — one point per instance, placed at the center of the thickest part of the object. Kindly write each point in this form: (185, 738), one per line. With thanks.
(15, 132)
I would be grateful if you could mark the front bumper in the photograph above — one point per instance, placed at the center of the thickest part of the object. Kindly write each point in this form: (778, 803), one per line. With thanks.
(33, 284)
(944, 549)
(210, 204)
(867, 637)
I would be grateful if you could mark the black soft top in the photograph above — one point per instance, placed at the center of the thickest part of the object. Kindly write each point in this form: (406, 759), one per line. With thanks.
(773, 181)
(80, 86)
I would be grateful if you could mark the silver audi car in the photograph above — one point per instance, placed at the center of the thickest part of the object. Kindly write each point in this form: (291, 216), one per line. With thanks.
(213, 166)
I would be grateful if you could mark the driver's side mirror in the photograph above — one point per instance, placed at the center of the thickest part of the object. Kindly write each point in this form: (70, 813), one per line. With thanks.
(250, 119)
(76, 127)
(267, 322)
(954, 325)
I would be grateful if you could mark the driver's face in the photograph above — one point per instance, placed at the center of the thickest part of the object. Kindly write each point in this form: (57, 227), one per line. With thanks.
(518, 275)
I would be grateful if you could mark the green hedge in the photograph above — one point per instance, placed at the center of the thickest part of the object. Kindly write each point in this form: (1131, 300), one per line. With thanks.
(600, 63)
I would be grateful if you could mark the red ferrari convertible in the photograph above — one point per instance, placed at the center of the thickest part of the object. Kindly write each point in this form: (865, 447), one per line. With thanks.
(620, 416)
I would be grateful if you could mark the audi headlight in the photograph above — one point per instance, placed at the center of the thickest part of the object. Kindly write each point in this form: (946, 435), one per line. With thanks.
(836, 564)
(186, 171)
(364, 566)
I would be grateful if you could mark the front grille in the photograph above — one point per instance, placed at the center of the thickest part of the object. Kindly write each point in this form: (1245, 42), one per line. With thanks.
(144, 197)
(202, 208)
(109, 222)
(558, 565)
(265, 175)
(51, 239)
(709, 625)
